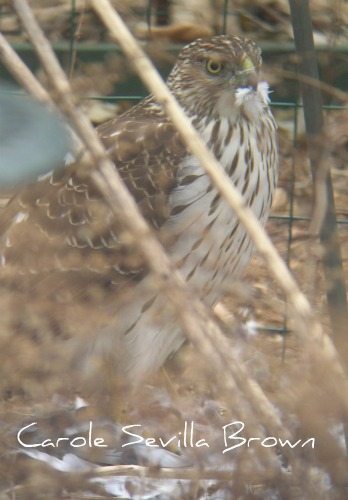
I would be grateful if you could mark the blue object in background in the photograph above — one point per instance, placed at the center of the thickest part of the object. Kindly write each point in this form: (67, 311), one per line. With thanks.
(33, 139)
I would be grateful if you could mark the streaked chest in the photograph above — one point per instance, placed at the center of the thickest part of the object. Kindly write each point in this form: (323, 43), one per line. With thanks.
(209, 243)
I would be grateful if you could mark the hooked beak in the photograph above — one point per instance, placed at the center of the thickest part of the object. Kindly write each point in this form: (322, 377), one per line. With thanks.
(247, 79)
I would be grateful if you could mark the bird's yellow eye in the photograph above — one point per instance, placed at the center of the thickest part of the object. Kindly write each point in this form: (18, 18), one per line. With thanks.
(214, 67)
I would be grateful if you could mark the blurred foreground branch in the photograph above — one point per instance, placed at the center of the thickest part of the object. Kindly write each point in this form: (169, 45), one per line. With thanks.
(22, 73)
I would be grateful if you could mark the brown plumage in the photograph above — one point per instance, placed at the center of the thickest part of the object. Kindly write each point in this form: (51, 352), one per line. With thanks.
(61, 242)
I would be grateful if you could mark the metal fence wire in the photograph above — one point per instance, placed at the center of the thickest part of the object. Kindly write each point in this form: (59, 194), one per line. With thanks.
(307, 86)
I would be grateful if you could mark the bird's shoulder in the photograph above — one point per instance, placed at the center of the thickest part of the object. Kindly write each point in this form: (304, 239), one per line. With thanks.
(148, 152)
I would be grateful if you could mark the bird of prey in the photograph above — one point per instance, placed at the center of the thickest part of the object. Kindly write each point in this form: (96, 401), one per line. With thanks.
(61, 243)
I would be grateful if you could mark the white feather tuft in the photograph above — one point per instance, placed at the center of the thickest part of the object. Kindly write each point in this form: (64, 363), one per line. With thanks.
(242, 94)
(263, 90)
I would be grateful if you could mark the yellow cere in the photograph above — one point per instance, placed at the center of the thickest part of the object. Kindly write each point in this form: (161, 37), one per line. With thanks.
(247, 64)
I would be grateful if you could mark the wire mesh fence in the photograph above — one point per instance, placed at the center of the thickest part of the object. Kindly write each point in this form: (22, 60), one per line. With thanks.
(264, 308)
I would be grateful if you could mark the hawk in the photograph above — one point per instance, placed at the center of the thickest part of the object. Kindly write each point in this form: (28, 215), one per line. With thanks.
(61, 242)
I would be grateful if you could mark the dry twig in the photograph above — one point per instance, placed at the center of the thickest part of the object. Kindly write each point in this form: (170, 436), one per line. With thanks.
(22, 73)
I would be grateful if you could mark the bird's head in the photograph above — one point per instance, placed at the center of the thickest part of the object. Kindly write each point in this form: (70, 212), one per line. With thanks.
(218, 76)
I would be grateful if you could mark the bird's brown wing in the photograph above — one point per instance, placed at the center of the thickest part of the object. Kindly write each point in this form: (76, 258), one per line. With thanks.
(61, 228)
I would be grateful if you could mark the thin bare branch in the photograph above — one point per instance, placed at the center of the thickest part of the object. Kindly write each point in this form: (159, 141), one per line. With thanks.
(326, 88)
(320, 195)
(21, 72)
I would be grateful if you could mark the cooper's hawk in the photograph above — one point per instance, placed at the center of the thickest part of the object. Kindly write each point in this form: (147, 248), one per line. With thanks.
(60, 239)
